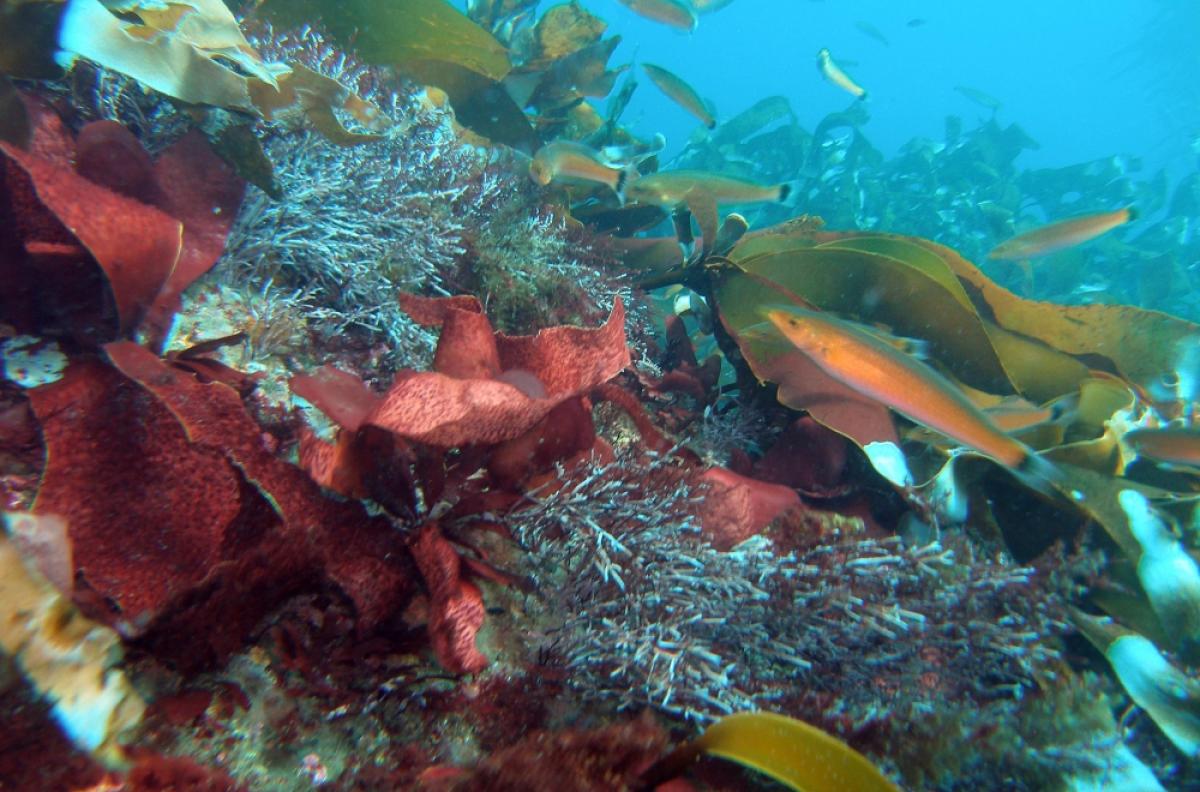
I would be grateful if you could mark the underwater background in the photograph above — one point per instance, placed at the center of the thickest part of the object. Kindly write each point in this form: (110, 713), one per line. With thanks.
(1111, 83)
(1087, 83)
(599, 395)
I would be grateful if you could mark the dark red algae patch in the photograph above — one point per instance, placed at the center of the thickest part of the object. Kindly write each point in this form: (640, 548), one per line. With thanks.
(186, 530)
(96, 238)
(607, 759)
(22, 456)
(107, 437)
(154, 773)
(504, 709)
(185, 708)
(34, 752)
(456, 604)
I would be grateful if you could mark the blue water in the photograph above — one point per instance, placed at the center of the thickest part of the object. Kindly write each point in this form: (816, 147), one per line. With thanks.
(1086, 80)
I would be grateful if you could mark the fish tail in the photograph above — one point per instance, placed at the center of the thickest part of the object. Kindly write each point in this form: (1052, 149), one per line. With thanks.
(789, 193)
(624, 176)
(1131, 214)
(918, 348)
(1041, 474)
(1027, 271)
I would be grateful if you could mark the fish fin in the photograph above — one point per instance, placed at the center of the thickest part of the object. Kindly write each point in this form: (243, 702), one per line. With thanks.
(1026, 270)
(1041, 474)
(789, 194)
(1065, 411)
(915, 347)
(626, 175)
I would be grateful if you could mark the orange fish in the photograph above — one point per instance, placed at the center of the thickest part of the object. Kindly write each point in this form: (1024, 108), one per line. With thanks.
(1064, 234)
(669, 189)
(1013, 415)
(1179, 445)
(873, 367)
(838, 77)
(709, 6)
(676, 13)
(684, 95)
(574, 163)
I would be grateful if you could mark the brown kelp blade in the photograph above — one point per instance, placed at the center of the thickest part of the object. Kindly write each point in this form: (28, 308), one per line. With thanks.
(431, 42)
(317, 96)
(29, 39)
(480, 104)
(703, 207)
(14, 119)
(566, 29)
(396, 32)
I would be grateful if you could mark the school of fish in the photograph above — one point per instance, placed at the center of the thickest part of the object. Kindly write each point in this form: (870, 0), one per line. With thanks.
(880, 367)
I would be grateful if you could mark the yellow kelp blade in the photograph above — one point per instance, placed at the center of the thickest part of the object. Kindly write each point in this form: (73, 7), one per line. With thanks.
(1038, 371)
(907, 251)
(397, 32)
(802, 231)
(1170, 696)
(165, 60)
(301, 89)
(207, 25)
(876, 289)
(797, 755)
(802, 384)
(67, 658)
(1044, 348)
(1140, 345)
(1100, 455)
